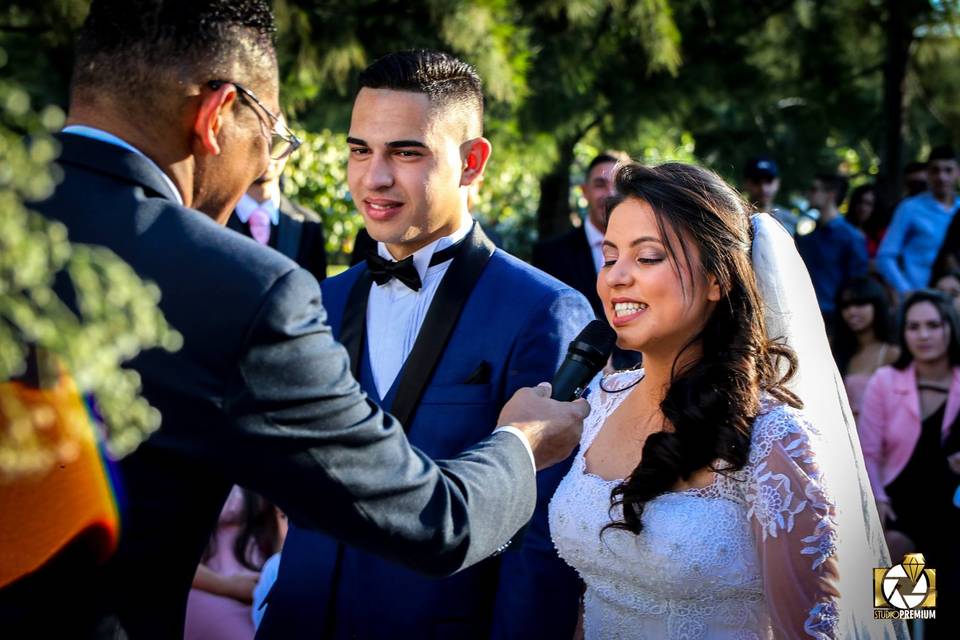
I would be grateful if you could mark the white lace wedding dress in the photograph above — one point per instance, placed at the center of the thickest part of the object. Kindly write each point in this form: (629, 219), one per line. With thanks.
(744, 557)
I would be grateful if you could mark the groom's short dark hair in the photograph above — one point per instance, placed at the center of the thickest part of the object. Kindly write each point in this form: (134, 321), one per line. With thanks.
(450, 83)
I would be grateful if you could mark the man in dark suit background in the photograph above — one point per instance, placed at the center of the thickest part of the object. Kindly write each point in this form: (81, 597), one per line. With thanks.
(432, 339)
(173, 109)
(271, 218)
(576, 256)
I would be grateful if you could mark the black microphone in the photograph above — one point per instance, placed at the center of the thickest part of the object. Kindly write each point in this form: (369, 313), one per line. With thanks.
(586, 356)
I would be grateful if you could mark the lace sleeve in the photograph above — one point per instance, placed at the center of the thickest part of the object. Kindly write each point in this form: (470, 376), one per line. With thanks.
(792, 516)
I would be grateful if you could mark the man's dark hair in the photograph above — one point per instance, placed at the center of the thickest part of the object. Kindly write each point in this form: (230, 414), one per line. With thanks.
(834, 183)
(942, 152)
(127, 45)
(610, 155)
(447, 81)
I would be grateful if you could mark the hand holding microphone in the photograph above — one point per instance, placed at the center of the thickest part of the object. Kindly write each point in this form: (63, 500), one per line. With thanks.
(545, 414)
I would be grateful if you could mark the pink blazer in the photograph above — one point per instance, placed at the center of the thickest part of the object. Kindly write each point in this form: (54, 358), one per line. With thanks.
(889, 422)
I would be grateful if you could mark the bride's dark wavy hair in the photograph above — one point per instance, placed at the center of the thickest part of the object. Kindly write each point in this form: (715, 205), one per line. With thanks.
(711, 402)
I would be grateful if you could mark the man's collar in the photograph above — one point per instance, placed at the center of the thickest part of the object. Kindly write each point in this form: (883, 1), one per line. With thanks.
(105, 136)
(248, 204)
(422, 256)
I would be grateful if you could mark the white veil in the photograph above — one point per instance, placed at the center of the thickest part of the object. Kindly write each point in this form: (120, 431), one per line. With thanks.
(792, 313)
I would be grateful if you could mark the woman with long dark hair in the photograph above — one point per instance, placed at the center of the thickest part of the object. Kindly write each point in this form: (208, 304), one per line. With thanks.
(701, 502)
(911, 438)
(861, 342)
(866, 212)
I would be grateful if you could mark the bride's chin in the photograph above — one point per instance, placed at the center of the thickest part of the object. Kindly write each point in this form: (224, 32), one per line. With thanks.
(629, 343)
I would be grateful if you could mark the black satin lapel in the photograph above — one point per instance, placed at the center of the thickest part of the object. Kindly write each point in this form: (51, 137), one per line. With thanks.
(448, 303)
(289, 232)
(354, 323)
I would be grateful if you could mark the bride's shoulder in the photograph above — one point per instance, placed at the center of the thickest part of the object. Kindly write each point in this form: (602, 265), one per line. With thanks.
(778, 422)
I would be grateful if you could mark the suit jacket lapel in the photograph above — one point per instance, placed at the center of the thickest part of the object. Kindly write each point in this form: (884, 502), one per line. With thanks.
(448, 303)
(354, 324)
(585, 269)
(288, 233)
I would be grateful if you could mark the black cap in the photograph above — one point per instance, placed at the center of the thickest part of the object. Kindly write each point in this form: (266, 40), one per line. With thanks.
(760, 168)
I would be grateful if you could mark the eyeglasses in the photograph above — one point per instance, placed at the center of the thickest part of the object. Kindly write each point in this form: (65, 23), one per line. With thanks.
(283, 141)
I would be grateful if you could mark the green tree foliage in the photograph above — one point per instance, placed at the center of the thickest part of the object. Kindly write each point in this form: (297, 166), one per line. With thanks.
(116, 314)
(811, 82)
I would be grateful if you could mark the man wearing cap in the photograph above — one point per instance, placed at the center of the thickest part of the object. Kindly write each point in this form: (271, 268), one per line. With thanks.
(761, 180)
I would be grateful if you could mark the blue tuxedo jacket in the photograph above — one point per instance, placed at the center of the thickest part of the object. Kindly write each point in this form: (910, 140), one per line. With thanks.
(512, 331)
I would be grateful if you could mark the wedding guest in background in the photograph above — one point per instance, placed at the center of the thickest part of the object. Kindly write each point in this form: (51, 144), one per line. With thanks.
(249, 531)
(911, 440)
(835, 250)
(917, 242)
(949, 283)
(271, 218)
(761, 184)
(576, 257)
(862, 340)
(866, 212)
(915, 178)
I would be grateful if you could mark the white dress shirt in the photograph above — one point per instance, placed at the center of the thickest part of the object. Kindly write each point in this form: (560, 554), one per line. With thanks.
(595, 240)
(395, 314)
(104, 136)
(248, 205)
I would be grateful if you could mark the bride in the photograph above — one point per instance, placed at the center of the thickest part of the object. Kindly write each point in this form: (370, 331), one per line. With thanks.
(705, 500)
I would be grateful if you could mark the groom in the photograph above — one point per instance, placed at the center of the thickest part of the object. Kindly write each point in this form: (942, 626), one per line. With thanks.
(441, 328)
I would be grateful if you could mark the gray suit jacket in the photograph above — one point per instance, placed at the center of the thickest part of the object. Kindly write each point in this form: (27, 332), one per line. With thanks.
(260, 395)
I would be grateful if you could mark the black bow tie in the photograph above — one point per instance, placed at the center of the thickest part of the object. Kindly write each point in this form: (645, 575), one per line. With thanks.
(383, 270)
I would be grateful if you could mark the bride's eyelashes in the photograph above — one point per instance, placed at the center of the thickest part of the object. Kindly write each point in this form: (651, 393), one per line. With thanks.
(645, 261)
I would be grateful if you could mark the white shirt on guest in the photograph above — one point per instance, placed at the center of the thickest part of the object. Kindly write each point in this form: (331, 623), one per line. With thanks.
(248, 205)
(595, 240)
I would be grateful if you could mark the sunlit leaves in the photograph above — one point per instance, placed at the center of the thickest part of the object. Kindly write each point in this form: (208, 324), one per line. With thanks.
(116, 314)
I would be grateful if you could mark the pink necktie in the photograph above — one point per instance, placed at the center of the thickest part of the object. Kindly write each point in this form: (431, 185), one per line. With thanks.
(259, 222)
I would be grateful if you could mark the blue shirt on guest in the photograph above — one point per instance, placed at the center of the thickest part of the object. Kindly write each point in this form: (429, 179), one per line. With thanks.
(834, 252)
(909, 249)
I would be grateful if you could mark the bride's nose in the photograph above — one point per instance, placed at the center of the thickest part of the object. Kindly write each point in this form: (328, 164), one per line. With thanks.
(619, 274)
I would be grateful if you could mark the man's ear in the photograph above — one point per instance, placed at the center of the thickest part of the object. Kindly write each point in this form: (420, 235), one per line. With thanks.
(214, 107)
(475, 154)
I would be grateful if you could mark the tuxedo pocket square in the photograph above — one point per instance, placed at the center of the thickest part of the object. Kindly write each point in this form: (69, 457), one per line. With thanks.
(480, 375)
